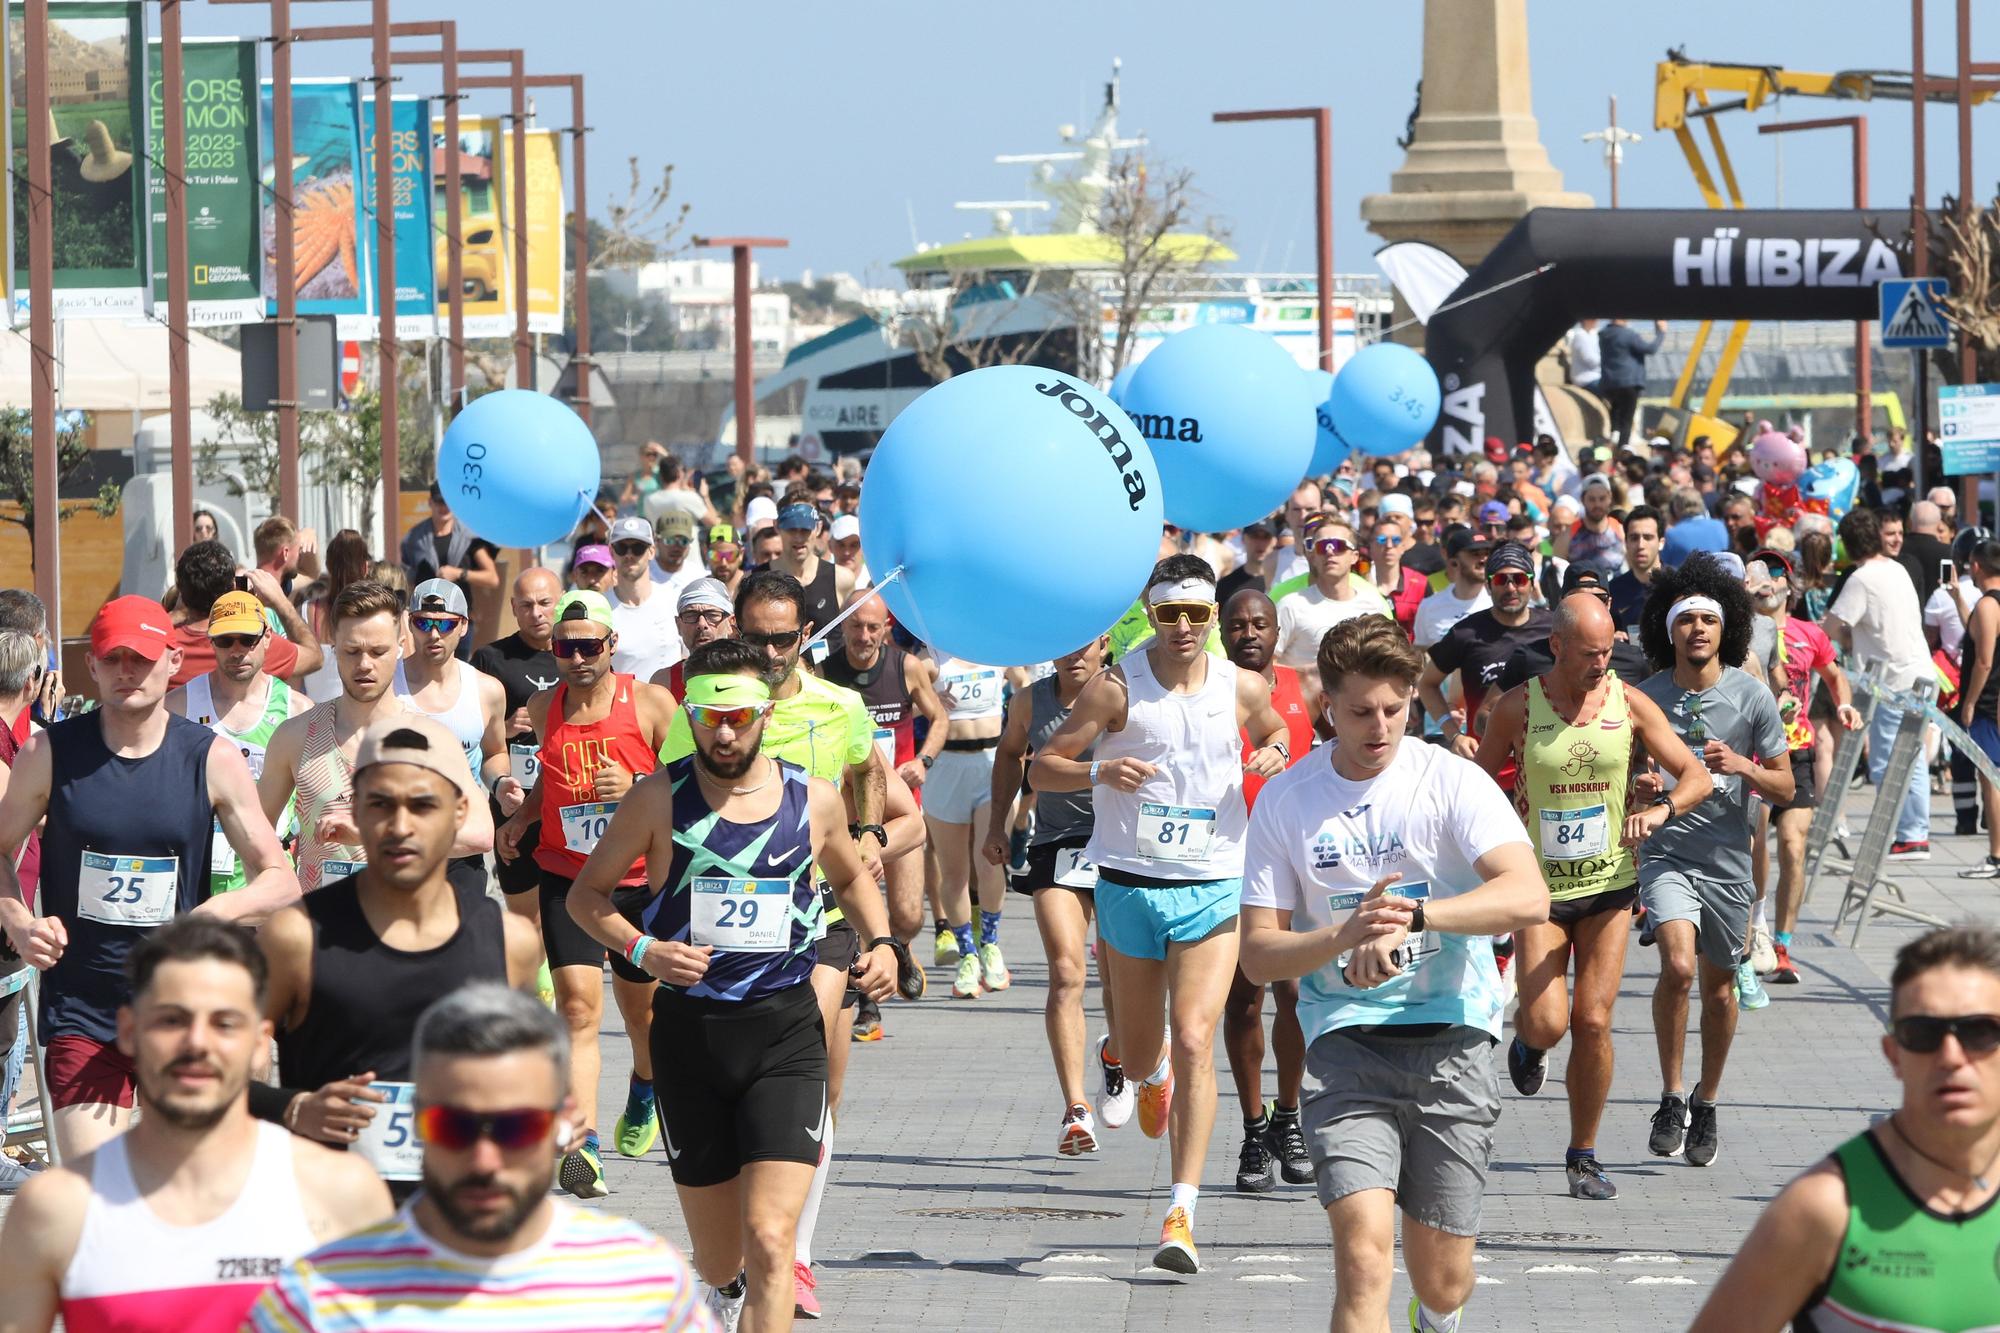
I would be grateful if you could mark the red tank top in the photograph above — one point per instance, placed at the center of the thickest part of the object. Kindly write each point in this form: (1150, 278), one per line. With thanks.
(1291, 706)
(571, 755)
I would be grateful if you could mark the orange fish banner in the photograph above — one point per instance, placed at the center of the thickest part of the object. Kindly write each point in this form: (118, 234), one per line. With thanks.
(545, 225)
(333, 249)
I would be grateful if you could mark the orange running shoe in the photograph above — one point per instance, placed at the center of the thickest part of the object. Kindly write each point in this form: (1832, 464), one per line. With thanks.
(1155, 1101)
(1177, 1253)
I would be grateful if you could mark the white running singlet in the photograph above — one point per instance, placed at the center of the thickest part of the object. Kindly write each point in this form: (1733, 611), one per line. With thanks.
(465, 719)
(133, 1273)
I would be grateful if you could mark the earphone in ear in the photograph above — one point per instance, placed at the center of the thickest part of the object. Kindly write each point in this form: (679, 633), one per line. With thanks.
(562, 1136)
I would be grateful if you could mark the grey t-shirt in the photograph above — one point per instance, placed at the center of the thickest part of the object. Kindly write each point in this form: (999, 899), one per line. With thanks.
(1764, 642)
(1059, 815)
(1713, 839)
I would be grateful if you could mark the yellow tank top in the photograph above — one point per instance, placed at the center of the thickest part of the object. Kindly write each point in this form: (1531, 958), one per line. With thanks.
(1573, 786)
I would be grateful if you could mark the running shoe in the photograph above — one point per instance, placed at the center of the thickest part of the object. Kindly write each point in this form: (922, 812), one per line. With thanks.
(993, 968)
(1786, 973)
(1750, 992)
(945, 952)
(911, 983)
(1701, 1139)
(1287, 1141)
(1669, 1126)
(1588, 1181)
(1177, 1253)
(545, 985)
(1017, 852)
(582, 1172)
(1114, 1107)
(1253, 1164)
(867, 1020)
(1986, 869)
(727, 1309)
(1646, 932)
(1419, 1324)
(13, 1175)
(805, 1302)
(1079, 1132)
(966, 987)
(1528, 1068)
(1762, 957)
(1910, 851)
(639, 1123)
(1155, 1100)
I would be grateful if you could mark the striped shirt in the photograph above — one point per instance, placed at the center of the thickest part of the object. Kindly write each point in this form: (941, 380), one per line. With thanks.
(590, 1271)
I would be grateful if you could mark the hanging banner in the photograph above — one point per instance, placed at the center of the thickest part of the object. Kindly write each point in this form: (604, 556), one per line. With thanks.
(486, 268)
(333, 252)
(545, 225)
(96, 107)
(410, 160)
(223, 247)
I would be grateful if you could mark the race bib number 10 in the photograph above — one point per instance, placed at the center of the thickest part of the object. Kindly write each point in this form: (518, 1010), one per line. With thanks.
(127, 890)
(741, 915)
(389, 1141)
(1175, 832)
(583, 825)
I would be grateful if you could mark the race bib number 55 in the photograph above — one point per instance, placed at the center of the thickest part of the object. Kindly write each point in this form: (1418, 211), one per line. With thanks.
(390, 1140)
(127, 890)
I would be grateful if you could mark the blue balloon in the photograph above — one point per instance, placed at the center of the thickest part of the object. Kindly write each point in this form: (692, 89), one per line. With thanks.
(1329, 450)
(1230, 420)
(520, 468)
(1023, 508)
(1385, 400)
(1118, 382)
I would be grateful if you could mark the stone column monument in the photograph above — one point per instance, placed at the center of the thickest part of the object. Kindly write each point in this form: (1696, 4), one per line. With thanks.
(1475, 163)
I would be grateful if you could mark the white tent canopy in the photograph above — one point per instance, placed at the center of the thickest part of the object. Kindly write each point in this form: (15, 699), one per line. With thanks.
(109, 366)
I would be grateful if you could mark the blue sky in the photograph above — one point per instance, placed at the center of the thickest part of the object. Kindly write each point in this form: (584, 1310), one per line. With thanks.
(829, 123)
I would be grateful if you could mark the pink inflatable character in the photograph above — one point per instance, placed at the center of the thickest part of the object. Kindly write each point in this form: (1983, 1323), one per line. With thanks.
(1779, 461)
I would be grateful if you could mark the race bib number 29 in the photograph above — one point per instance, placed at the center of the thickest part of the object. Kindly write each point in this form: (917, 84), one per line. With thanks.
(741, 915)
(127, 890)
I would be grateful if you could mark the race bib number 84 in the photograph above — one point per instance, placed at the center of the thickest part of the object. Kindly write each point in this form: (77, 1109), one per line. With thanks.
(1569, 834)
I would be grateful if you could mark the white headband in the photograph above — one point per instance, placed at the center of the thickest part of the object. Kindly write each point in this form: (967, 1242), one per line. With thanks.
(1184, 590)
(1694, 603)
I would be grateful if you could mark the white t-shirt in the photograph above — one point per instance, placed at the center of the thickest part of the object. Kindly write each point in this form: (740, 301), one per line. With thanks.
(1429, 817)
(1291, 564)
(1305, 616)
(1880, 605)
(670, 582)
(648, 639)
(1586, 362)
(1437, 613)
(1941, 613)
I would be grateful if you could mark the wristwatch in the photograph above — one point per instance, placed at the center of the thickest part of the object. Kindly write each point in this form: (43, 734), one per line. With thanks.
(881, 835)
(1282, 748)
(927, 760)
(1668, 801)
(1416, 921)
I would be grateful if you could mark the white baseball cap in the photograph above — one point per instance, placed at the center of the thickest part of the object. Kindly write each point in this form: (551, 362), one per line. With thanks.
(760, 512)
(845, 526)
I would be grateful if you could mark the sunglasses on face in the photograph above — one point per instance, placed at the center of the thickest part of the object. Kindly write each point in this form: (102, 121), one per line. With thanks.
(676, 543)
(1333, 546)
(629, 548)
(587, 649)
(439, 625)
(712, 716)
(1388, 539)
(457, 1129)
(720, 555)
(1925, 1033)
(708, 616)
(781, 640)
(1515, 580)
(1197, 614)
(230, 643)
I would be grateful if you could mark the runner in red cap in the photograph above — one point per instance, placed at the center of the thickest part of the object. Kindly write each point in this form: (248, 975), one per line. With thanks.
(129, 792)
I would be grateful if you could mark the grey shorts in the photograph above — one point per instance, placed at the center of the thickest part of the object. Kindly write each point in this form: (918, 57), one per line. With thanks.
(1412, 1115)
(1719, 909)
(960, 782)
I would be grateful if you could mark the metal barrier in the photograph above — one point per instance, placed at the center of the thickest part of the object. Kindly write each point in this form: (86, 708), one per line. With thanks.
(39, 1125)
(1861, 900)
(1825, 828)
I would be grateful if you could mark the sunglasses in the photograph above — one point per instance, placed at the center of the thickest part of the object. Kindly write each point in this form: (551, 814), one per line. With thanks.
(711, 716)
(230, 643)
(723, 554)
(1515, 580)
(782, 639)
(587, 649)
(1925, 1033)
(1333, 546)
(708, 616)
(1388, 539)
(676, 543)
(457, 1129)
(630, 548)
(1196, 614)
(435, 624)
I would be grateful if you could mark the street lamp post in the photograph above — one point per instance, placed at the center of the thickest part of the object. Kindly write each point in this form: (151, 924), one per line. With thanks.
(41, 316)
(446, 59)
(1864, 398)
(516, 82)
(1614, 137)
(1322, 119)
(746, 395)
(173, 177)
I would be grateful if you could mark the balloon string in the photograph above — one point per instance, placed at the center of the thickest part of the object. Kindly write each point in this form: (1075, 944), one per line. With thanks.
(859, 602)
(1464, 300)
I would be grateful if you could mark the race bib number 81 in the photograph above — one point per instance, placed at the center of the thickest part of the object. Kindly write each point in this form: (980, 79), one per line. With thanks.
(127, 890)
(741, 915)
(1175, 832)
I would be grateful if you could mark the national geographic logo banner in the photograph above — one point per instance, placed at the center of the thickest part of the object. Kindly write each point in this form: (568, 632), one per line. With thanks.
(219, 88)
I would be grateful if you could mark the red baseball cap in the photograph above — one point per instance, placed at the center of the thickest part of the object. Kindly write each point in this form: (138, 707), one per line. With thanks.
(134, 622)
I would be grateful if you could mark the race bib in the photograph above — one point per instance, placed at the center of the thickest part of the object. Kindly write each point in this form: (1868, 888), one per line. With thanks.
(583, 825)
(1073, 871)
(1416, 946)
(127, 890)
(972, 691)
(741, 915)
(389, 1141)
(221, 856)
(329, 871)
(524, 761)
(1175, 832)
(885, 741)
(1569, 834)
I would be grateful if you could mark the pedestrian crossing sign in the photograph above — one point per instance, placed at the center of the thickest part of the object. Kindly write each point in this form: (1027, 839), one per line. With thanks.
(1910, 314)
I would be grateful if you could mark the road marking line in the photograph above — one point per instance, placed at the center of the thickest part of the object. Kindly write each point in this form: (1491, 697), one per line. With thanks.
(1079, 1259)
(1269, 1277)
(1072, 1277)
(1264, 1259)
(1655, 1280)
(1562, 1268)
(1647, 1259)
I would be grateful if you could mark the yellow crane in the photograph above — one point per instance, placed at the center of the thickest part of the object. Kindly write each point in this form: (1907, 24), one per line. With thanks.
(1682, 91)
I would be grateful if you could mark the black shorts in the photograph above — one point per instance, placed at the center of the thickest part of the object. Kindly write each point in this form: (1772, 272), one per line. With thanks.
(1041, 871)
(520, 875)
(1805, 787)
(467, 873)
(1572, 910)
(569, 945)
(838, 949)
(748, 1082)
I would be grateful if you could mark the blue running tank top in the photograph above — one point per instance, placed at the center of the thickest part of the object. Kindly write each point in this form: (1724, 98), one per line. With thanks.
(746, 888)
(126, 848)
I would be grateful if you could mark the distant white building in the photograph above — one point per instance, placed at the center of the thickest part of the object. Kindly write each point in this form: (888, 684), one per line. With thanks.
(700, 297)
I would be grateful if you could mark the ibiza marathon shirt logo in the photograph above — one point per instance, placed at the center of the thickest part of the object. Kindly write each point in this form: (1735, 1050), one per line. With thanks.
(1107, 435)
(1368, 851)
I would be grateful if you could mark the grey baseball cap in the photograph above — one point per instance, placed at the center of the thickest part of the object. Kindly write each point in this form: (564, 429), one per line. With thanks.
(439, 596)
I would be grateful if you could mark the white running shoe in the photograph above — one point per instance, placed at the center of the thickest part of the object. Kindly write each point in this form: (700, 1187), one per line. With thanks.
(1115, 1107)
(728, 1310)
(1079, 1132)
(13, 1175)
(1763, 958)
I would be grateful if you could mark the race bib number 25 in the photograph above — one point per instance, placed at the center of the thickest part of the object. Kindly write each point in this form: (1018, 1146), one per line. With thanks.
(127, 890)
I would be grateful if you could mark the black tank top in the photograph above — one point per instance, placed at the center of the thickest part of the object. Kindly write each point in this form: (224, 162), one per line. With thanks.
(1989, 695)
(822, 597)
(883, 688)
(125, 849)
(366, 997)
